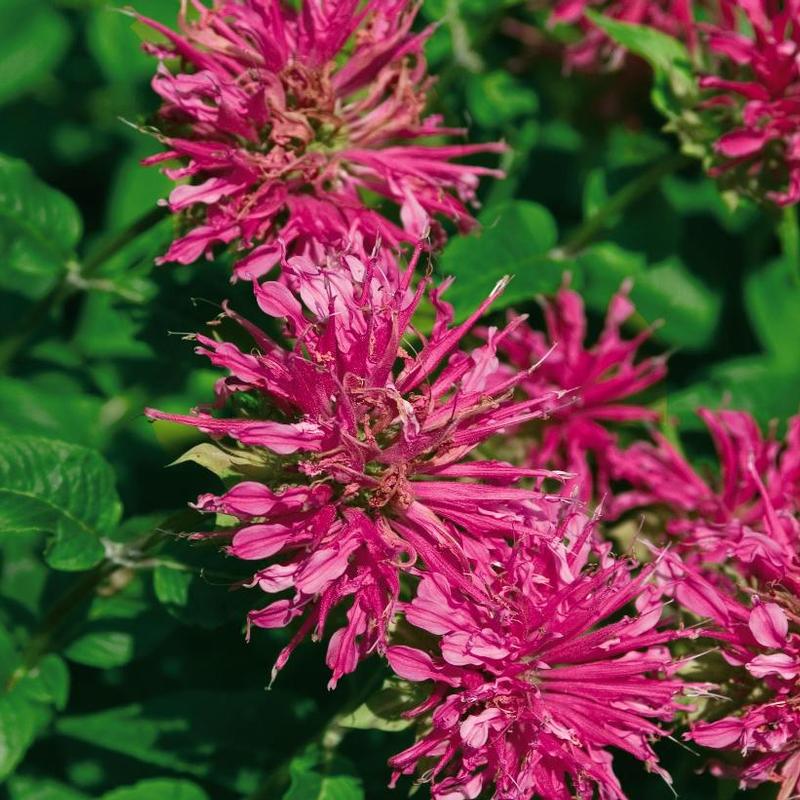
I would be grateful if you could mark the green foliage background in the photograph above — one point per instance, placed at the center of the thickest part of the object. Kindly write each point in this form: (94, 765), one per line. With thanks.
(124, 670)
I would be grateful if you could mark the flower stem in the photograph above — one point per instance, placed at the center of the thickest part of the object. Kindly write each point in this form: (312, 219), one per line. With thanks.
(73, 278)
(617, 203)
(789, 233)
(44, 638)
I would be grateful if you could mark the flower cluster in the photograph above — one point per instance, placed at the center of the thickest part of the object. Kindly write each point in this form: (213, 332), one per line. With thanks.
(283, 122)
(535, 679)
(377, 440)
(745, 116)
(370, 441)
(750, 522)
(753, 90)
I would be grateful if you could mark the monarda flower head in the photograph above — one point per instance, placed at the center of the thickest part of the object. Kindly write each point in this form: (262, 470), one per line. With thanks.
(757, 625)
(755, 83)
(283, 120)
(365, 432)
(749, 521)
(747, 515)
(598, 381)
(538, 678)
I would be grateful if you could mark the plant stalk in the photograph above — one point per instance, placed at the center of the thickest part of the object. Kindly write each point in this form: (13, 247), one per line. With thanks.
(617, 203)
(70, 281)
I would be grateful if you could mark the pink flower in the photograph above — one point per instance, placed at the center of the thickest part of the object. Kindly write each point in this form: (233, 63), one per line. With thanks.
(748, 515)
(765, 641)
(597, 380)
(282, 120)
(369, 436)
(756, 81)
(748, 521)
(532, 681)
(595, 51)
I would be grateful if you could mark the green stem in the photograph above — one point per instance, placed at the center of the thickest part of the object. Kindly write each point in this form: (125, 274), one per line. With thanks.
(789, 233)
(617, 203)
(328, 738)
(41, 642)
(45, 637)
(73, 278)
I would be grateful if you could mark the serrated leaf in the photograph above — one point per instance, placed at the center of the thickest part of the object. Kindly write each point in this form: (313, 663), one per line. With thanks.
(33, 39)
(158, 789)
(772, 298)
(59, 488)
(516, 239)
(39, 229)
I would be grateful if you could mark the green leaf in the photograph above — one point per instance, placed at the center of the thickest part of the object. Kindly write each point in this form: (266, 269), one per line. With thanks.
(667, 293)
(172, 585)
(114, 44)
(39, 229)
(221, 736)
(33, 39)
(26, 788)
(102, 649)
(765, 389)
(51, 407)
(497, 98)
(689, 309)
(26, 708)
(59, 488)
(110, 329)
(312, 781)
(20, 721)
(515, 240)
(675, 82)
(384, 710)
(48, 681)
(772, 298)
(158, 789)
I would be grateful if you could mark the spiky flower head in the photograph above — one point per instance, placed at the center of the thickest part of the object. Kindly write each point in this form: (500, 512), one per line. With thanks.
(367, 427)
(284, 120)
(536, 680)
(599, 383)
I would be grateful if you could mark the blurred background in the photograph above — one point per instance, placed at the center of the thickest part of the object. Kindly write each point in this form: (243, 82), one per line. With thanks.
(152, 678)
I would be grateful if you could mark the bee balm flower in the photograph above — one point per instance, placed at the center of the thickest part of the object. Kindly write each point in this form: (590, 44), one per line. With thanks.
(369, 436)
(533, 683)
(282, 120)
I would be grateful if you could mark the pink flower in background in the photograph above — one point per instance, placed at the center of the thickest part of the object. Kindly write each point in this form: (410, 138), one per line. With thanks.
(536, 679)
(761, 636)
(756, 86)
(368, 431)
(748, 517)
(598, 382)
(279, 137)
(595, 51)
